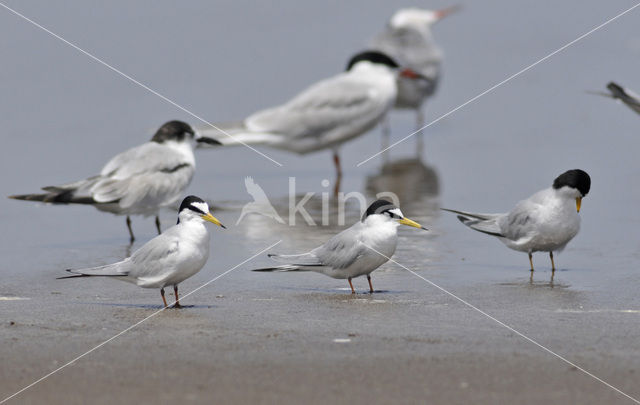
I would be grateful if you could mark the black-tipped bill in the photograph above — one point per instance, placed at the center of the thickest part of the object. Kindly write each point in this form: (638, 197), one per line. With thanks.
(212, 219)
(408, 222)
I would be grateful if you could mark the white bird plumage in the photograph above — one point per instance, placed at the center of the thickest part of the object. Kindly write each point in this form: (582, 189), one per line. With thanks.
(325, 115)
(169, 258)
(139, 181)
(356, 251)
(544, 222)
(408, 39)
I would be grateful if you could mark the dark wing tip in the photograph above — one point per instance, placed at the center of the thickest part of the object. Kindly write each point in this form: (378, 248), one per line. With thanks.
(73, 275)
(266, 269)
(208, 141)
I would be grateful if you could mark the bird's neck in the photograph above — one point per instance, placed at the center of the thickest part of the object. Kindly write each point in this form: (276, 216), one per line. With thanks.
(184, 148)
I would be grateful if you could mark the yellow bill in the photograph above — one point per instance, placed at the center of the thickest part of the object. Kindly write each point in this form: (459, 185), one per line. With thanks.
(213, 219)
(407, 221)
(578, 203)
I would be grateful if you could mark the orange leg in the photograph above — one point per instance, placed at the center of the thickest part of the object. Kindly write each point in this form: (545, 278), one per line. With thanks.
(351, 285)
(531, 260)
(163, 299)
(370, 285)
(175, 291)
(553, 265)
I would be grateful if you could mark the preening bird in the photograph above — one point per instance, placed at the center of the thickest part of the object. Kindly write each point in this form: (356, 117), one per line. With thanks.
(168, 259)
(408, 39)
(356, 251)
(544, 222)
(325, 115)
(138, 181)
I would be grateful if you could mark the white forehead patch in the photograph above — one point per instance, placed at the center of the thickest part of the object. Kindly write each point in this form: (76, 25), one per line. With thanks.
(397, 212)
(202, 206)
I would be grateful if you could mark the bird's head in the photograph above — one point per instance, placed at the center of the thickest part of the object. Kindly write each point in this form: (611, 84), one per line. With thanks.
(371, 57)
(381, 211)
(179, 131)
(419, 19)
(195, 208)
(573, 184)
(378, 59)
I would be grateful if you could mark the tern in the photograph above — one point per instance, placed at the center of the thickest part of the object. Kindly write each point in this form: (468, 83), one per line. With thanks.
(544, 222)
(169, 258)
(623, 95)
(138, 181)
(325, 115)
(356, 251)
(407, 38)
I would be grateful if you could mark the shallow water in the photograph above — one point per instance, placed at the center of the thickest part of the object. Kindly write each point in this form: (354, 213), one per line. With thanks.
(63, 116)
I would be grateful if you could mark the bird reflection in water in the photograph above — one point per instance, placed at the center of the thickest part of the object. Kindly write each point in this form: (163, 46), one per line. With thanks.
(415, 184)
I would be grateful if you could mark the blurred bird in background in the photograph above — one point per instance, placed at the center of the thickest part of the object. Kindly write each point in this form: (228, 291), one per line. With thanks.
(408, 39)
(325, 115)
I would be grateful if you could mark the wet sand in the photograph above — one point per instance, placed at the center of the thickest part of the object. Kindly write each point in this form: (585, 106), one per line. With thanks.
(292, 337)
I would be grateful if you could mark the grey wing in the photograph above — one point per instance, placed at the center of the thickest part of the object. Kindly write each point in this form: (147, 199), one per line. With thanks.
(519, 222)
(323, 107)
(155, 258)
(485, 223)
(342, 250)
(149, 175)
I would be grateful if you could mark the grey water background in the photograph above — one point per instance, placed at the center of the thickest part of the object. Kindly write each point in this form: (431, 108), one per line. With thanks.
(63, 116)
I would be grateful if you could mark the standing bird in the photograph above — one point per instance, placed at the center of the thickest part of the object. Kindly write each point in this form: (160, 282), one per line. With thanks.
(356, 251)
(408, 39)
(168, 259)
(138, 181)
(544, 222)
(623, 95)
(325, 115)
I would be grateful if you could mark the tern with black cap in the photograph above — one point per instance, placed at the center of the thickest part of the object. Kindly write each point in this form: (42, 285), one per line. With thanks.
(544, 222)
(356, 251)
(326, 114)
(169, 258)
(138, 181)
